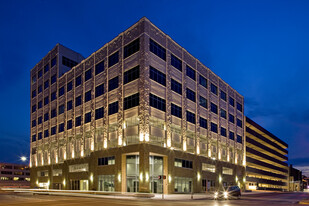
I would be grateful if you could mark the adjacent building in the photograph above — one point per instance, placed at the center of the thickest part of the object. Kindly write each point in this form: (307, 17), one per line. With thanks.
(266, 159)
(295, 179)
(141, 114)
(14, 175)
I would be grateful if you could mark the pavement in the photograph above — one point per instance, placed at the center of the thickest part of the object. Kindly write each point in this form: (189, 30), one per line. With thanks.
(121, 195)
(76, 198)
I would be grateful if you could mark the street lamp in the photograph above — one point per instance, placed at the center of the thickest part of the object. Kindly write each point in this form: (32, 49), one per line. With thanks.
(23, 158)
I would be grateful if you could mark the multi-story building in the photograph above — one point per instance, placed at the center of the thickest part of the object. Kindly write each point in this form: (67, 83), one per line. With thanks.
(138, 108)
(295, 179)
(14, 175)
(266, 159)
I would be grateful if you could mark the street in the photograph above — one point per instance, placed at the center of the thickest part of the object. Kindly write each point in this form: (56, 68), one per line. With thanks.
(10, 198)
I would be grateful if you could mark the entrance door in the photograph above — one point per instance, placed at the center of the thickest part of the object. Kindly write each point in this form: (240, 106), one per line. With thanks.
(132, 169)
(84, 185)
(155, 170)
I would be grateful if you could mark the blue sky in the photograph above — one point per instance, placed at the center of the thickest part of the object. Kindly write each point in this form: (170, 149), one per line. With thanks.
(260, 48)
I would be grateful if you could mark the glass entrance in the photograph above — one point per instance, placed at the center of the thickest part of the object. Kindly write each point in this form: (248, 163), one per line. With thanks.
(155, 169)
(132, 173)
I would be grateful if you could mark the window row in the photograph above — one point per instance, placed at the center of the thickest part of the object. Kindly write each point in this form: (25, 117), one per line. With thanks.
(106, 161)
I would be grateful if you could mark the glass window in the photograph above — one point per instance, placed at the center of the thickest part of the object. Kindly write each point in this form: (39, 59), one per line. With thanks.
(88, 96)
(33, 93)
(232, 101)
(113, 108)
(223, 95)
(33, 108)
(53, 96)
(46, 84)
(40, 120)
(203, 102)
(157, 102)
(87, 117)
(131, 101)
(213, 127)
(61, 127)
(53, 113)
(40, 135)
(183, 185)
(40, 73)
(46, 133)
(46, 100)
(99, 90)
(99, 68)
(69, 105)
(239, 139)
(223, 132)
(46, 116)
(183, 163)
(33, 79)
(214, 89)
(69, 124)
(33, 123)
(227, 171)
(78, 81)
(239, 107)
(176, 111)
(106, 161)
(175, 62)
(39, 104)
(99, 113)
(190, 117)
(106, 183)
(176, 86)
(214, 108)
(78, 100)
(203, 123)
(69, 86)
(190, 72)
(131, 75)
(61, 91)
(88, 74)
(157, 76)
(78, 121)
(68, 62)
(113, 59)
(208, 167)
(53, 79)
(158, 50)
(239, 123)
(190, 94)
(131, 48)
(232, 135)
(223, 113)
(39, 89)
(203, 81)
(46, 68)
(113, 84)
(53, 130)
(231, 118)
(33, 138)
(53, 61)
(61, 109)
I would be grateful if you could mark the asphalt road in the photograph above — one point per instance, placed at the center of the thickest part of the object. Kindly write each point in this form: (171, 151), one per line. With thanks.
(272, 199)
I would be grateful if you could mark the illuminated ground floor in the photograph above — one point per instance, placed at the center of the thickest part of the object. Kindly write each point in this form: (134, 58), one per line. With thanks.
(139, 168)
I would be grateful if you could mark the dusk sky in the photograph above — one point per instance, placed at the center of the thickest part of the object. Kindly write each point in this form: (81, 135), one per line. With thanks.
(260, 48)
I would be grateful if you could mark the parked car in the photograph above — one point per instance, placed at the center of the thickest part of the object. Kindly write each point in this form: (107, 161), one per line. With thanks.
(227, 193)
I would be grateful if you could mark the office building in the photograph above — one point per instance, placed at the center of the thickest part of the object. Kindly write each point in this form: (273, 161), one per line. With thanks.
(266, 159)
(14, 175)
(141, 114)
